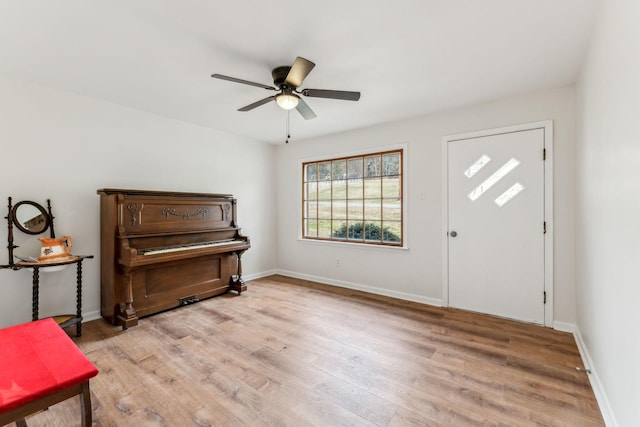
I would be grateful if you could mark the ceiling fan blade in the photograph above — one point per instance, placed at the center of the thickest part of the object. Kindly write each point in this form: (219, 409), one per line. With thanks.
(305, 111)
(299, 70)
(333, 94)
(257, 104)
(244, 82)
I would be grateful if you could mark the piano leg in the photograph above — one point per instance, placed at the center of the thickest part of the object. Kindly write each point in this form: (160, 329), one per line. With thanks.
(127, 315)
(237, 282)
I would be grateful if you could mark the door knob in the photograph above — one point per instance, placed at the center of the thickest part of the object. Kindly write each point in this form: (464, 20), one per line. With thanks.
(453, 234)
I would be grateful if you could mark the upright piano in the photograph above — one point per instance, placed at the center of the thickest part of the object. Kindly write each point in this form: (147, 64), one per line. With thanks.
(160, 250)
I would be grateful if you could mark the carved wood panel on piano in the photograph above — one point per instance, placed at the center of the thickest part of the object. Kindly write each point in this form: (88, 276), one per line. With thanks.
(161, 250)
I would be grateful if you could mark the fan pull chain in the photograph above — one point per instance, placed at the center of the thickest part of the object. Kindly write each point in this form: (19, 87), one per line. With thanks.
(288, 127)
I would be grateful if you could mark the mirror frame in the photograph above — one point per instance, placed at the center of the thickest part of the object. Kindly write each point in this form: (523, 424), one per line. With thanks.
(40, 208)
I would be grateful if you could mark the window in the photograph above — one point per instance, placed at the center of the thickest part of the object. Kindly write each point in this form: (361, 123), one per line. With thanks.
(356, 199)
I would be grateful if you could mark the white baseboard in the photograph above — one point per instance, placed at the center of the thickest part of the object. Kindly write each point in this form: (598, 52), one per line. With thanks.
(564, 326)
(91, 315)
(259, 275)
(596, 385)
(364, 288)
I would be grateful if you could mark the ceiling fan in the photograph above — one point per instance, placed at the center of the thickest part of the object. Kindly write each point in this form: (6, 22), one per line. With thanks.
(287, 80)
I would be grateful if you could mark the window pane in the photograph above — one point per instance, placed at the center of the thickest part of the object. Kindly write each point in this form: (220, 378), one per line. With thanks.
(339, 209)
(339, 169)
(311, 228)
(311, 191)
(372, 188)
(311, 172)
(391, 164)
(340, 189)
(324, 210)
(391, 232)
(391, 186)
(324, 171)
(357, 198)
(372, 210)
(340, 229)
(391, 210)
(354, 188)
(354, 231)
(355, 168)
(355, 210)
(372, 166)
(324, 190)
(324, 229)
(372, 231)
(311, 209)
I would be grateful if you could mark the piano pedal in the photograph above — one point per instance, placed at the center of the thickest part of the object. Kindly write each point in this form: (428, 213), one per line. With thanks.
(188, 300)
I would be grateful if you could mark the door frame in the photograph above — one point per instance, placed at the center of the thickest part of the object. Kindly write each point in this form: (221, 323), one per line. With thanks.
(547, 125)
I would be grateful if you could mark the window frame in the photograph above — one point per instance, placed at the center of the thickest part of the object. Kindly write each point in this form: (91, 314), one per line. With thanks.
(399, 224)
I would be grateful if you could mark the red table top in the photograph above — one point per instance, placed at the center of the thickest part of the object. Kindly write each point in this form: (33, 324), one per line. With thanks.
(37, 359)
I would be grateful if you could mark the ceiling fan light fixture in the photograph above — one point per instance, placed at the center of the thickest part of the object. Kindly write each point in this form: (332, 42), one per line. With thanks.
(287, 81)
(287, 101)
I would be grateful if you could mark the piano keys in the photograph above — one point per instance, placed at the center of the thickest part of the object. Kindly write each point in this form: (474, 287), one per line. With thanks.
(189, 247)
(161, 250)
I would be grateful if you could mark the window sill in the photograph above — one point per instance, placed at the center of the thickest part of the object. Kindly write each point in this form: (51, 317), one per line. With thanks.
(335, 243)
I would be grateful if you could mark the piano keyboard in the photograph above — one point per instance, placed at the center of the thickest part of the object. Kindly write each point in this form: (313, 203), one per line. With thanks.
(189, 247)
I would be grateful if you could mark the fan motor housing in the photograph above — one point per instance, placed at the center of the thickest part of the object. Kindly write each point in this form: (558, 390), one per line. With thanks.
(279, 75)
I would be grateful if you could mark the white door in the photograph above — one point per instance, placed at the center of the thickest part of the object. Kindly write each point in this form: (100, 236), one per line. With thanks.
(496, 224)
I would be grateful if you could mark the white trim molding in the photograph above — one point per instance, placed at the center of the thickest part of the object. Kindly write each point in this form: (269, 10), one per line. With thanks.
(364, 288)
(596, 385)
(564, 326)
(91, 315)
(260, 275)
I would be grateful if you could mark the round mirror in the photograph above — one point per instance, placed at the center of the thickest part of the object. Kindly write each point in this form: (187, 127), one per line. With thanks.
(30, 217)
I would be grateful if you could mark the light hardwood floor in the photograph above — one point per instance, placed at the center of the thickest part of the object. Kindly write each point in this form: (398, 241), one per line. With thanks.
(295, 353)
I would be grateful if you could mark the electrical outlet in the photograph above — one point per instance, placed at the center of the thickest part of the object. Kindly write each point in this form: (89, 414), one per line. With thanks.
(337, 263)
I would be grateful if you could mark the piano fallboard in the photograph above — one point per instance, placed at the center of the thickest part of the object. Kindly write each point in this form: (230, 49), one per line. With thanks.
(163, 249)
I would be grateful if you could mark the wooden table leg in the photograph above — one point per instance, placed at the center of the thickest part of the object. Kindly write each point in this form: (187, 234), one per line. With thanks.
(85, 405)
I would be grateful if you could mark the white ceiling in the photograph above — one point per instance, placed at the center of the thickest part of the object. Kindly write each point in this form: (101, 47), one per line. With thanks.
(406, 57)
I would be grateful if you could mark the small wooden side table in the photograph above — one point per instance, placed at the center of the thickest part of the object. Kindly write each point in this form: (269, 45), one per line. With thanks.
(64, 320)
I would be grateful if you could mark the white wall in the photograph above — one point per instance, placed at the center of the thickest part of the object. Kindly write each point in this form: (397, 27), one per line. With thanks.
(608, 210)
(416, 273)
(64, 147)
